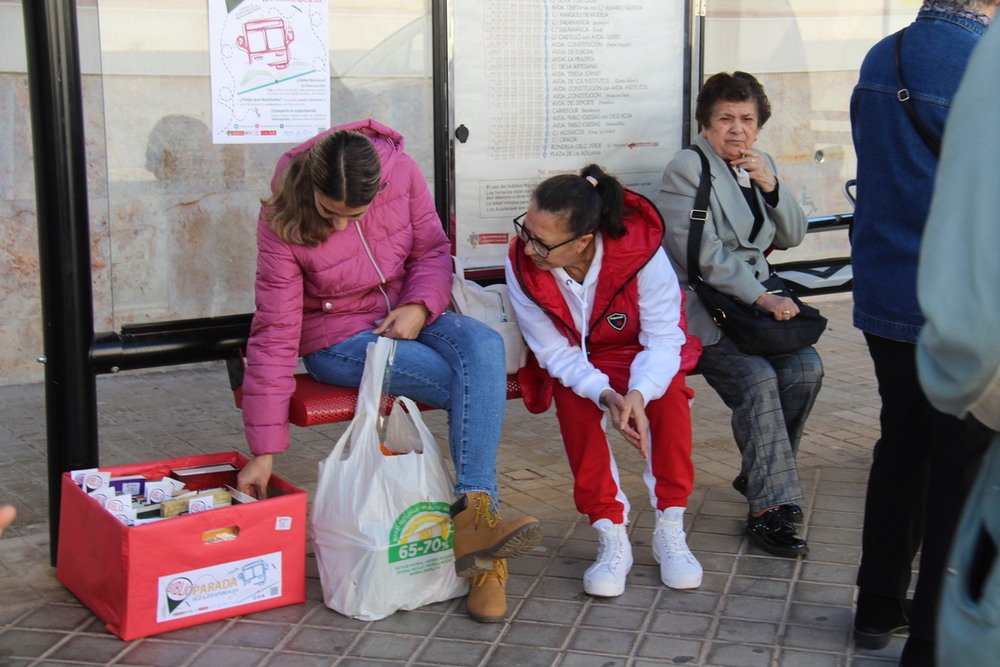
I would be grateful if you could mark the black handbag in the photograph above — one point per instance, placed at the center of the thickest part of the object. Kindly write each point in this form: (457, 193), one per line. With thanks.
(752, 328)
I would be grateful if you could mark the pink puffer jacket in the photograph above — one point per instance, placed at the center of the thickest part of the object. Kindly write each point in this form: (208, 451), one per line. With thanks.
(311, 298)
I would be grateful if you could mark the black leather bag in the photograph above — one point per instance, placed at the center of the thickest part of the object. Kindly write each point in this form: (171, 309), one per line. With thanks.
(752, 328)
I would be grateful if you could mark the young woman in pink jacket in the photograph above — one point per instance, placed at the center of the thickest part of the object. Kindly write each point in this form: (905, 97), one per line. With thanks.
(350, 247)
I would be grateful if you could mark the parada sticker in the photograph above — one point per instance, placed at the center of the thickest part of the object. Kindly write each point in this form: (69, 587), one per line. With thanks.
(218, 587)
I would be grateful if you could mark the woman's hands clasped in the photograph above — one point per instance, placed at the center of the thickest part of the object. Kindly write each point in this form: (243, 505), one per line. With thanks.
(757, 168)
(628, 416)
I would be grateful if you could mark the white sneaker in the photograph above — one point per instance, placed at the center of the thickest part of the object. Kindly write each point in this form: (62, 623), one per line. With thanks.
(606, 577)
(678, 566)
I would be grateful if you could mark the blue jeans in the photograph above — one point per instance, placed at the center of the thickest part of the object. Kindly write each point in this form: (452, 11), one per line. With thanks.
(456, 363)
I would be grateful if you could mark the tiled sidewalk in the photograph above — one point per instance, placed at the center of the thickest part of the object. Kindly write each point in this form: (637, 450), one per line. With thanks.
(752, 610)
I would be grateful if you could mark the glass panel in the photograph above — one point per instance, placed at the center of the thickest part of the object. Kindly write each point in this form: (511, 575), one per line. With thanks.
(383, 57)
(179, 219)
(807, 54)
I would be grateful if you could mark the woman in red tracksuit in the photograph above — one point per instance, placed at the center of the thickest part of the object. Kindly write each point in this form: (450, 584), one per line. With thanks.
(601, 310)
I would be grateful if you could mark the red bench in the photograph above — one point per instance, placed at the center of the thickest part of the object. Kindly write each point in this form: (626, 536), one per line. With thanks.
(315, 403)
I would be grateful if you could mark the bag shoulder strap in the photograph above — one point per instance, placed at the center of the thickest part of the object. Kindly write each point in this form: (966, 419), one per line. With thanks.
(903, 95)
(698, 215)
(458, 301)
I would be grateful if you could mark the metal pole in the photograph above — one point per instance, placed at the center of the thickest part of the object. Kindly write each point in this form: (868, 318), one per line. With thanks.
(63, 242)
(694, 68)
(441, 82)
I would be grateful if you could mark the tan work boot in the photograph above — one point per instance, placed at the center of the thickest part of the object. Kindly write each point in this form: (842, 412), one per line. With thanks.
(487, 601)
(482, 537)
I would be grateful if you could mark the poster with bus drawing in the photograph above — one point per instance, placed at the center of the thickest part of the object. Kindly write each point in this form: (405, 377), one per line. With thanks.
(270, 70)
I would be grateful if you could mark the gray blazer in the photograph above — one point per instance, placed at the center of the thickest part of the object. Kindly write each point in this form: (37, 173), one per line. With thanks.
(729, 261)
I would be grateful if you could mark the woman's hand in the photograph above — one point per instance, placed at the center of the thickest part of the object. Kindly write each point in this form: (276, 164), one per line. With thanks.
(404, 322)
(781, 307)
(7, 515)
(252, 479)
(628, 416)
(756, 166)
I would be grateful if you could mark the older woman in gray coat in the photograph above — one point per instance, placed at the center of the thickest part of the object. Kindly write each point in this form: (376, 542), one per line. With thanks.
(749, 211)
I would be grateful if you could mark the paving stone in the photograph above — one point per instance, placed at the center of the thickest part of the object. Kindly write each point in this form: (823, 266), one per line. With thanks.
(611, 618)
(753, 608)
(824, 594)
(792, 658)
(28, 643)
(323, 642)
(602, 640)
(729, 655)
(156, 653)
(571, 659)
(385, 646)
(768, 566)
(747, 632)
(670, 649)
(808, 637)
(828, 573)
(821, 615)
(55, 617)
(761, 587)
(452, 652)
(218, 656)
(523, 656)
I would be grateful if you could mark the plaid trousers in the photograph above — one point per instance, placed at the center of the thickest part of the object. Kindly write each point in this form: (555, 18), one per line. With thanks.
(771, 398)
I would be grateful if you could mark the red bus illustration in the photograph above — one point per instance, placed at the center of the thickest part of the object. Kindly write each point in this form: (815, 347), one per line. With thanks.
(266, 42)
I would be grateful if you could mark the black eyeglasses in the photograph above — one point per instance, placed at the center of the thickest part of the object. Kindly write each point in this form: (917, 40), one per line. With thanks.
(540, 248)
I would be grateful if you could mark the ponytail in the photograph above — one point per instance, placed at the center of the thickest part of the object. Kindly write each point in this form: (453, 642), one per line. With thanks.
(592, 202)
(612, 200)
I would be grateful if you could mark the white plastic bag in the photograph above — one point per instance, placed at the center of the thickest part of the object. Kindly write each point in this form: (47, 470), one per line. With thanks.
(492, 306)
(380, 523)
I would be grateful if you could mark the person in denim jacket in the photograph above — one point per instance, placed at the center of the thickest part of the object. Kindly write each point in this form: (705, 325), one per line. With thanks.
(924, 460)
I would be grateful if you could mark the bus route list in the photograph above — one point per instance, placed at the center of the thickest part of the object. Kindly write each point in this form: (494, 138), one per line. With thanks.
(559, 82)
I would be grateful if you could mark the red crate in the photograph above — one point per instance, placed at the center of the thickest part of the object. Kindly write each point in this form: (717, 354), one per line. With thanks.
(153, 578)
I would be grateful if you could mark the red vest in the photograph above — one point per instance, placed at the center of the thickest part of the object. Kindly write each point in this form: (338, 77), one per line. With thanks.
(614, 320)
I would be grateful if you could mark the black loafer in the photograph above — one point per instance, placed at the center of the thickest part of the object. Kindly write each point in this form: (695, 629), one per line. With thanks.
(792, 512)
(773, 533)
(877, 619)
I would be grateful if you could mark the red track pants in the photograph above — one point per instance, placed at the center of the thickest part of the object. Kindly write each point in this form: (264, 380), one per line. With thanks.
(669, 474)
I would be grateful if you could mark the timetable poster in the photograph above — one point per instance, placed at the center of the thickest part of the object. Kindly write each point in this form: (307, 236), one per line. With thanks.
(544, 87)
(270, 66)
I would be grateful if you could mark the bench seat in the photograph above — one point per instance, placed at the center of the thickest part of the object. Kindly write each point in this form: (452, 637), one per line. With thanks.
(315, 403)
